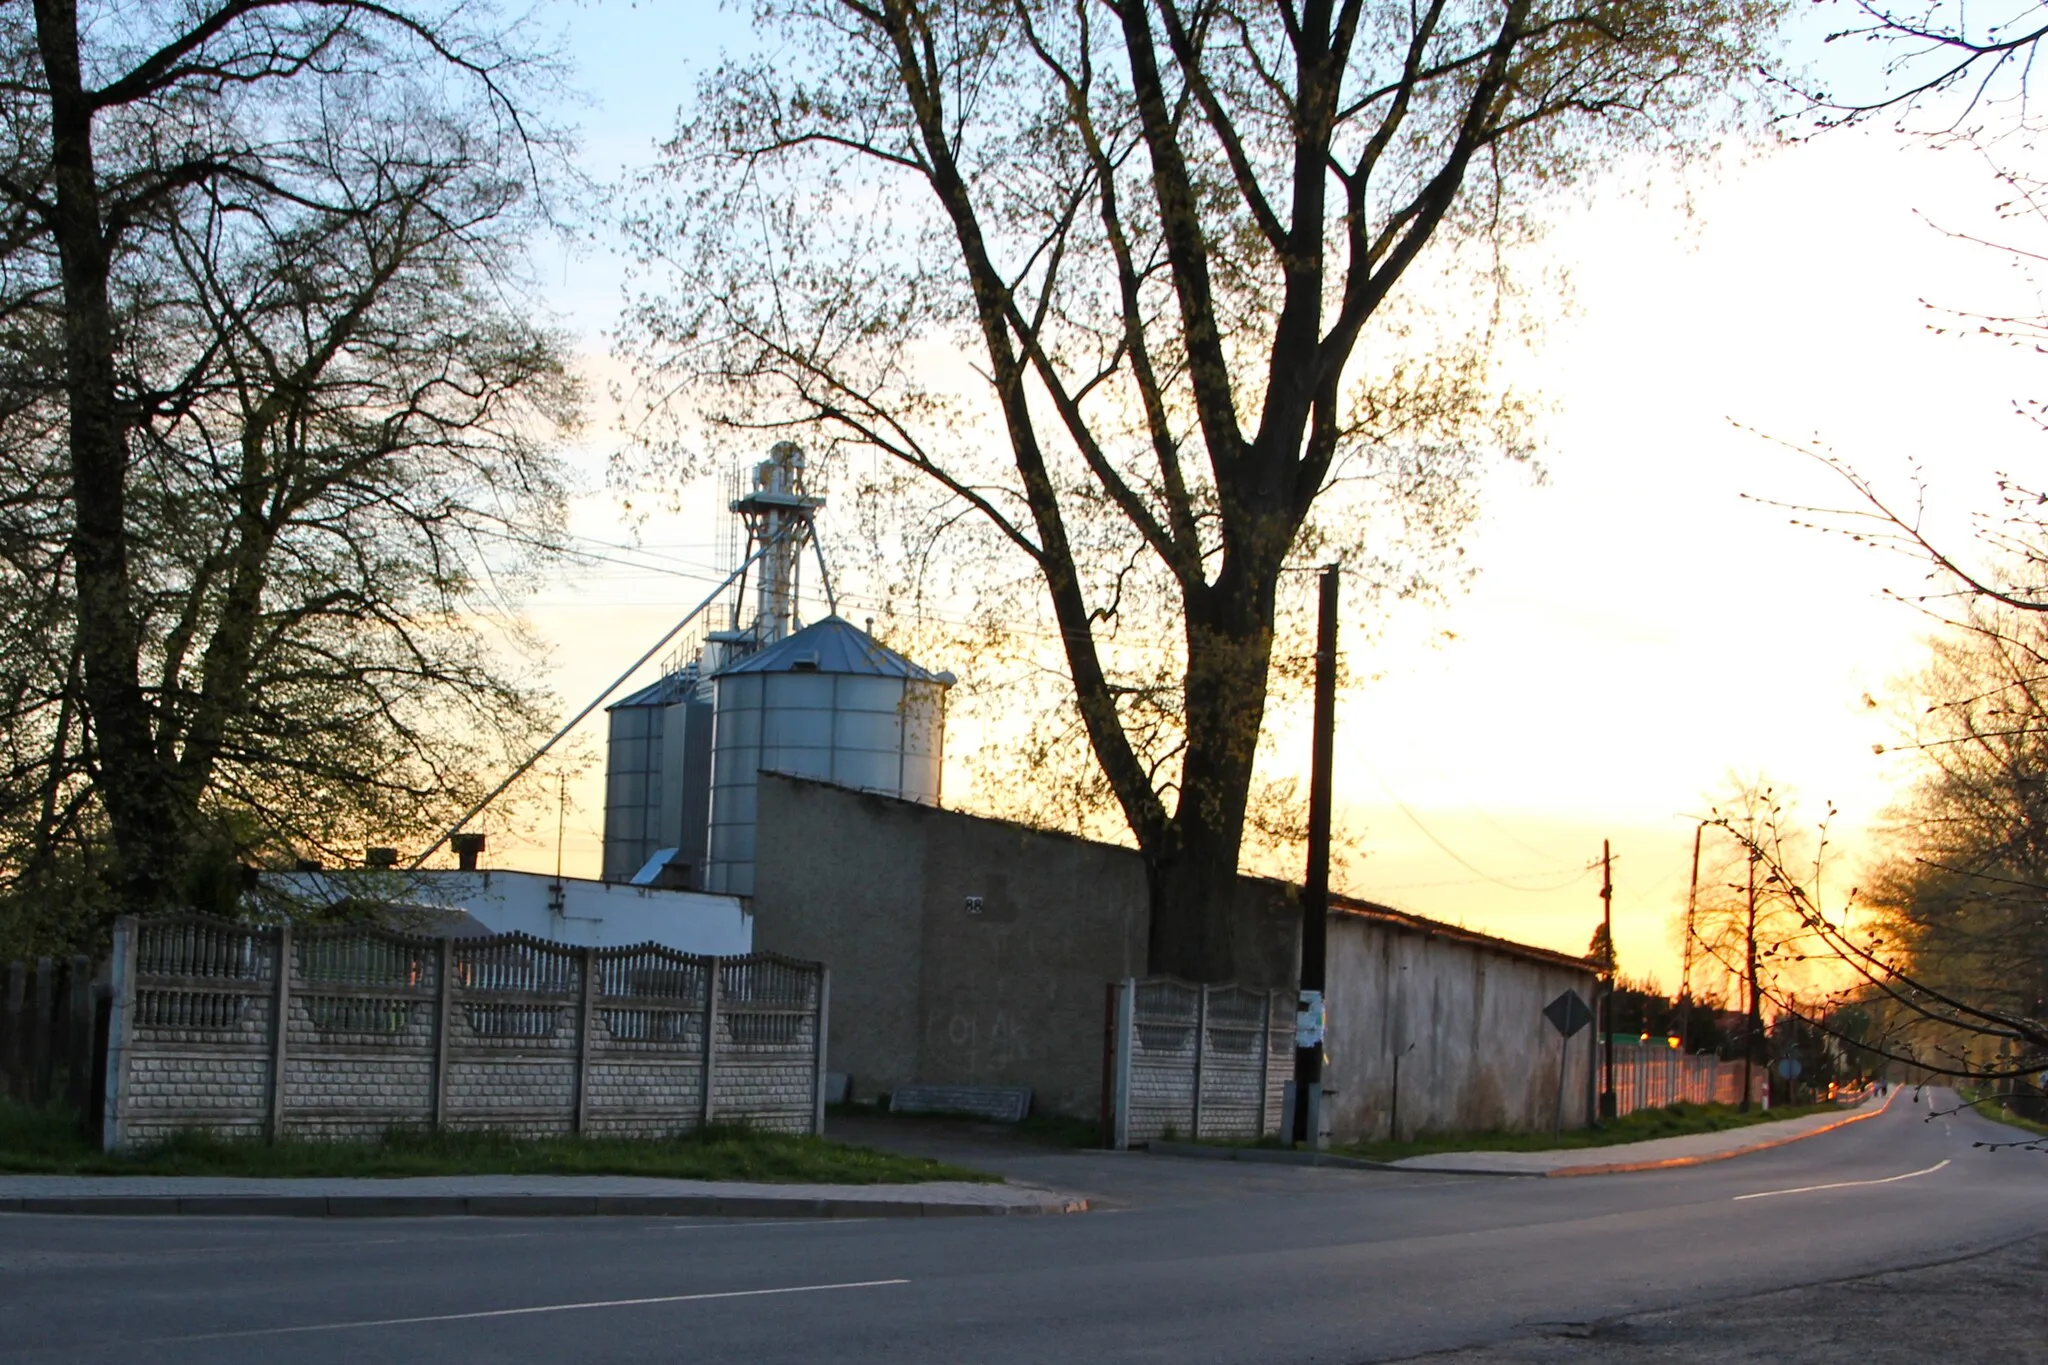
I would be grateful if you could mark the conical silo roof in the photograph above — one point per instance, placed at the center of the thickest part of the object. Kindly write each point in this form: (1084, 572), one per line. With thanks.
(834, 645)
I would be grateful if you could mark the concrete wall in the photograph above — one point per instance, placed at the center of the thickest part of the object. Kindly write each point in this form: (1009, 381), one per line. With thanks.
(926, 988)
(1462, 1013)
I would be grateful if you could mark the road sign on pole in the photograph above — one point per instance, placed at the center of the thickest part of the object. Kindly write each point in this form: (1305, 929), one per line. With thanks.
(1568, 1013)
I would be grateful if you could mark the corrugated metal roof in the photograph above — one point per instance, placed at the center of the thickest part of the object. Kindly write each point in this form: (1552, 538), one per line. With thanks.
(663, 691)
(834, 645)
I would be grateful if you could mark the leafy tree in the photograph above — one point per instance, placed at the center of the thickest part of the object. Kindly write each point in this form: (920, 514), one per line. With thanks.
(1099, 280)
(274, 402)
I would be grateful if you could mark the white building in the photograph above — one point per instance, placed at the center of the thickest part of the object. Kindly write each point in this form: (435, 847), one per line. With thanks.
(569, 910)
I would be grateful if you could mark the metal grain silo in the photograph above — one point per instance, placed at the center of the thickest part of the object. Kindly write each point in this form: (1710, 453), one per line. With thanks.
(657, 783)
(829, 702)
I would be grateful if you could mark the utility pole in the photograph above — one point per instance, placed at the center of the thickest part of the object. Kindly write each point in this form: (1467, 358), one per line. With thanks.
(1608, 1106)
(1315, 887)
(1756, 1013)
(1692, 896)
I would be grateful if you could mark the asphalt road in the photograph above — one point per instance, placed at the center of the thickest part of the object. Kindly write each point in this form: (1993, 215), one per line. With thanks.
(1187, 1261)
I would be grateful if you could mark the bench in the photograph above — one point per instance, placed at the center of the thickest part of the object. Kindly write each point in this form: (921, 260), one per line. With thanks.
(1003, 1103)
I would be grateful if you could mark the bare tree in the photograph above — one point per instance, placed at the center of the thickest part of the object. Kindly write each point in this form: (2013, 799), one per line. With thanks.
(1137, 248)
(1879, 969)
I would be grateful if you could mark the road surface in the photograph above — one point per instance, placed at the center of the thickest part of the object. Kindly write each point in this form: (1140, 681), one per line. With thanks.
(1184, 1261)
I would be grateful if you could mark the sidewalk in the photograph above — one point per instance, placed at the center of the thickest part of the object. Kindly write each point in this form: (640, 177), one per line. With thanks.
(1657, 1154)
(517, 1196)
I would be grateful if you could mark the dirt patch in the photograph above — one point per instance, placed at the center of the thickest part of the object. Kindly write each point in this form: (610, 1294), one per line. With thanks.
(1987, 1307)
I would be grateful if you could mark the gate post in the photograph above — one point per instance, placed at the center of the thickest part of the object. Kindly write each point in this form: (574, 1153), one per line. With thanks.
(1126, 1038)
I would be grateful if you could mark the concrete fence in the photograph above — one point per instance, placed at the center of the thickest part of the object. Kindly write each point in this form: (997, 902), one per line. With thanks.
(1196, 1062)
(350, 1031)
(1650, 1076)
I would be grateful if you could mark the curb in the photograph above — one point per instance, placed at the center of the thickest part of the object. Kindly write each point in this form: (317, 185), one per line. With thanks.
(1279, 1157)
(1286, 1158)
(516, 1206)
(1669, 1163)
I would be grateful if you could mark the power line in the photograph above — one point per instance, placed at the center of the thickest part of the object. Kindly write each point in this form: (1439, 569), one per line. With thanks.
(1459, 858)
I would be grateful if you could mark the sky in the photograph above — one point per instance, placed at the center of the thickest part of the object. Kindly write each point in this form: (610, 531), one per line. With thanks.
(1644, 626)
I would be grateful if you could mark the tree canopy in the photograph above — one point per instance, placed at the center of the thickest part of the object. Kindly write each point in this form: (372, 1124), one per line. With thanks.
(1129, 291)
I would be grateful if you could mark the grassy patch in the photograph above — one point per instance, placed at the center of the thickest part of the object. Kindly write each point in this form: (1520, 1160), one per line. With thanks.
(1679, 1120)
(47, 1142)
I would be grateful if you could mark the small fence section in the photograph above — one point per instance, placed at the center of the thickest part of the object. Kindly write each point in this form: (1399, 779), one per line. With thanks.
(51, 1018)
(1196, 1062)
(1651, 1076)
(366, 1029)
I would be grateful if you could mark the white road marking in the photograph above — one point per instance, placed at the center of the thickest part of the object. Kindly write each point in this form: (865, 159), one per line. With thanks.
(1845, 1184)
(538, 1308)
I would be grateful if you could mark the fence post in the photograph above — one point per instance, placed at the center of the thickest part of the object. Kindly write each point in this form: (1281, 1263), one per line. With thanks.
(39, 1039)
(444, 999)
(712, 973)
(120, 1033)
(280, 1026)
(818, 1035)
(78, 1040)
(13, 1072)
(1265, 1058)
(586, 961)
(1126, 1043)
(1201, 1051)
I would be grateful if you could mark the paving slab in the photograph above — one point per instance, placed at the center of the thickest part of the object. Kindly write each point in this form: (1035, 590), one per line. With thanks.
(518, 1196)
(1655, 1155)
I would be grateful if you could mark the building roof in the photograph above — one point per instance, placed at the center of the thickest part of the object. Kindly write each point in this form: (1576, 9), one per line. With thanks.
(1341, 904)
(834, 645)
(666, 691)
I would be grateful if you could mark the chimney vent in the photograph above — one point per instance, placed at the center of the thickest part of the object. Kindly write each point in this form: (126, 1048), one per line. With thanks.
(467, 846)
(380, 857)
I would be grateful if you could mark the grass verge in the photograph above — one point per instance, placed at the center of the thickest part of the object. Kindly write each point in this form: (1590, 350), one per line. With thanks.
(1679, 1120)
(48, 1142)
(1980, 1102)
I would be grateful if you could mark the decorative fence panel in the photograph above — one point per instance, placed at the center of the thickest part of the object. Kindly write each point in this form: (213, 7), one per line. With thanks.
(1199, 1062)
(369, 1029)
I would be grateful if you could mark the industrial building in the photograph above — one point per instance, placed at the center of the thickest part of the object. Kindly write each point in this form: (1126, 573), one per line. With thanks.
(767, 692)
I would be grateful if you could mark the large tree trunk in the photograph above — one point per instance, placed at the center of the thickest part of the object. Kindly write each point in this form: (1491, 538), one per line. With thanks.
(1192, 867)
(142, 815)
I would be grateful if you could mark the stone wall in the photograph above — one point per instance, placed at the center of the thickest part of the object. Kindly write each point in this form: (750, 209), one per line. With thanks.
(508, 1033)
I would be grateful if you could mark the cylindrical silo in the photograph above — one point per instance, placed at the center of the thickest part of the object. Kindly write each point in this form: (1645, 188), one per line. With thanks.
(829, 702)
(657, 783)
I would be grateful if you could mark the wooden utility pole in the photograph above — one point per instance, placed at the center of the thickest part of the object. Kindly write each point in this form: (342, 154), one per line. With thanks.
(1315, 887)
(1756, 1014)
(1608, 1106)
(1692, 896)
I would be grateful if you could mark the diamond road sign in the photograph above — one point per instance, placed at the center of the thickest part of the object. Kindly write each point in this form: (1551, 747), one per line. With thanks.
(1568, 1014)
